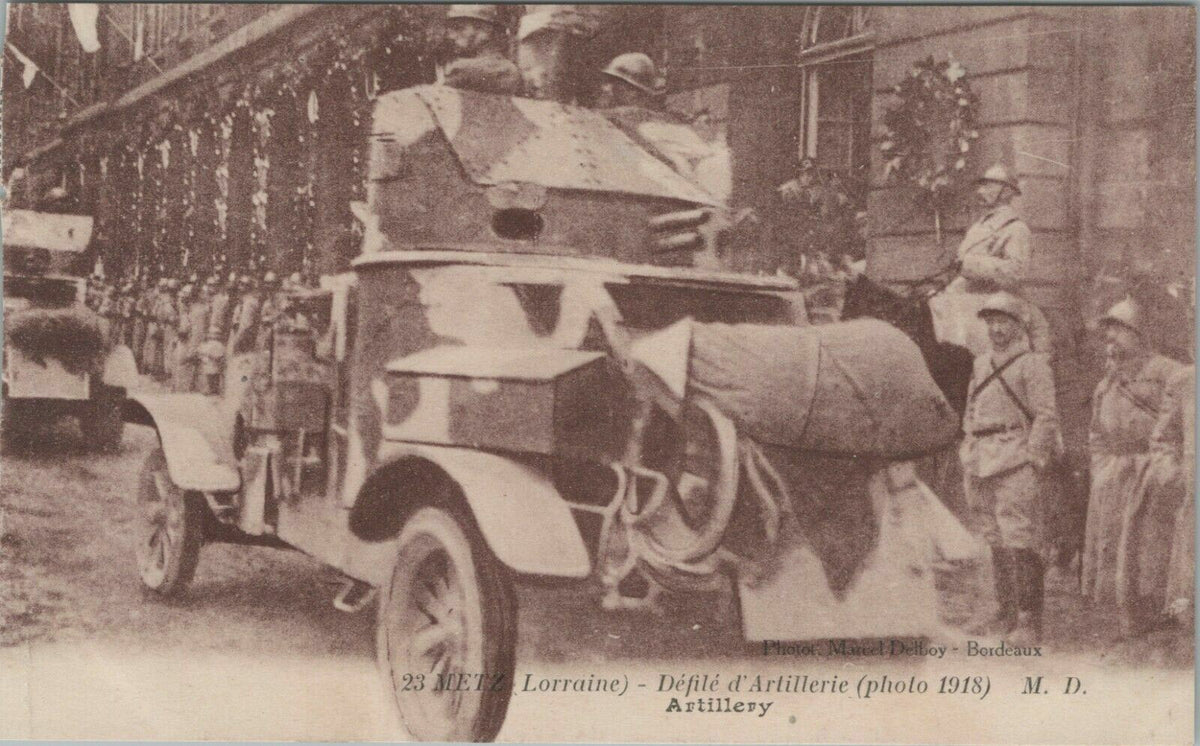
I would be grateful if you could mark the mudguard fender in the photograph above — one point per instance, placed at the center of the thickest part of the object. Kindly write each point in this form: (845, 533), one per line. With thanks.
(189, 430)
(120, 369)
(523, 518)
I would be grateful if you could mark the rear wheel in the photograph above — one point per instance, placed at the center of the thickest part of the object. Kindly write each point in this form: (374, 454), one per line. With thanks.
(447, 615)
(170, 529)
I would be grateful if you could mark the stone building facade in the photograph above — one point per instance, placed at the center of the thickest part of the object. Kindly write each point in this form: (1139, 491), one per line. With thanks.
(204, 134)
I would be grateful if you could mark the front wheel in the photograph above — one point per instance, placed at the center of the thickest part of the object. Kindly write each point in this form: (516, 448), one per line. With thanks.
(447, 615)
(170, 529)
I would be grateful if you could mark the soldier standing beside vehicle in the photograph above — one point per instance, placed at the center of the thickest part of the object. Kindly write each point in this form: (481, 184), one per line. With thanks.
(161, 330)
(476, 40)
(243, 332)
(212, 353)
(1173, 449)
(193, 328)
(994, 256)
(1130, 516)
(141, 320)
(272, 301)
(181, 382)
(1011, 437)
(128, 300)
(109, 310)
(173, 308)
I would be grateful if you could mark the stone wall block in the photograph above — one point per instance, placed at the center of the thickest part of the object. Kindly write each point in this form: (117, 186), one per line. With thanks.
(1002, 47)
(909, 22)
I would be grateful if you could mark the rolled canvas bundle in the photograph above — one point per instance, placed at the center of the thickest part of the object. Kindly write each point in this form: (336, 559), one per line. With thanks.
(73, 336)
(854, 388)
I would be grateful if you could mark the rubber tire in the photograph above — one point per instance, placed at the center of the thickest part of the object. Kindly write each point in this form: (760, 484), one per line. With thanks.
(182, 556)
(103, 425)
(496, 615)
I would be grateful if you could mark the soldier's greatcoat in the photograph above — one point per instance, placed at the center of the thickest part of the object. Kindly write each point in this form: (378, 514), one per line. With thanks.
(1011, 426)
(1173, 450)
(193, 325)
(220, 316)
(1130, 509)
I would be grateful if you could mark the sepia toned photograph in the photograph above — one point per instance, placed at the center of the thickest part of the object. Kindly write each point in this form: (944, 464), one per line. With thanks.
(643, 373)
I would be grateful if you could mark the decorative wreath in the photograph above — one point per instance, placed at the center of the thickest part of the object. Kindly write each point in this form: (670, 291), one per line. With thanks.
(927, 137)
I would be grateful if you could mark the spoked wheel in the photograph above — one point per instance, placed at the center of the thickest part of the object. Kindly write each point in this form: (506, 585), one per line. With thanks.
(170, 529)
(447, 615)
(689, 526)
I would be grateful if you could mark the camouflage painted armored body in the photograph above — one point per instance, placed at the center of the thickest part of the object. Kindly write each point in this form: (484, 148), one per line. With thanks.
(499, 388)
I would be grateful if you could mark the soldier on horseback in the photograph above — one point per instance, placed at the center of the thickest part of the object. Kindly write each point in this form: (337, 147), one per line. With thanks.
(994, 256)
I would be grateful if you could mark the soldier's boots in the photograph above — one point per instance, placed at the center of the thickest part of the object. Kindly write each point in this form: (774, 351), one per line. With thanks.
(1005, 579)
(1031, 597)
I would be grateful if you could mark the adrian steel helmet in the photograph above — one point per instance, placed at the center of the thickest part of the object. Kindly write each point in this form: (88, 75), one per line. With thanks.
(636, 69)
(485, 13)
(1124, 313)
(999, 174)
(1005, 304)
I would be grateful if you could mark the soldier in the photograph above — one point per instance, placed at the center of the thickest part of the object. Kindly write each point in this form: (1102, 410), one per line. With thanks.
(632, 96)
(109, 310)
(193, 326)
(632, 79)
(168, 322)
(1173, 453)
(274, 299)
(476, 39)
(994, 255)
(1130, 510)
(128, 299)
(245, 312)
(180, 373)
(220, 317)
(152, 353)
(141, 320)
(93, 293)
(1012, 435)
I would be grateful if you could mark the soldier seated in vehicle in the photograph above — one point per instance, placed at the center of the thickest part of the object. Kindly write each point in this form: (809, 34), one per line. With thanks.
(475, 37)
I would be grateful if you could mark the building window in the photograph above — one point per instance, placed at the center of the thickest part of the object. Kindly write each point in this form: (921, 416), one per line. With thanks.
(836, 57)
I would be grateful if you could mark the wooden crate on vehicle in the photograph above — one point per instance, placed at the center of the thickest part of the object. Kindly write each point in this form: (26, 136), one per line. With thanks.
(546, 401)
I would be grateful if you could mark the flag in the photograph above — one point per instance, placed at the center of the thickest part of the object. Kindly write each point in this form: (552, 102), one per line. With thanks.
(84, 17)
(29, 67)
(139, 34)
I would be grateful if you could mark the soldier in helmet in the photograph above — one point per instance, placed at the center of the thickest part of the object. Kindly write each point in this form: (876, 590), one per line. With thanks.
(108, 309)
(160, 337)
(1130, 515)
(994, 255)
(220, 319)
(144, 311)
(191, 309)
(1011, 437)
(476, 40)
(128, 300)
(632, 79)
(632, 96)
(273, 300)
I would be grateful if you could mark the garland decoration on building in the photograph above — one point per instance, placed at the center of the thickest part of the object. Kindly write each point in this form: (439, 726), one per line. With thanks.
(187, 189)
(927, 137)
